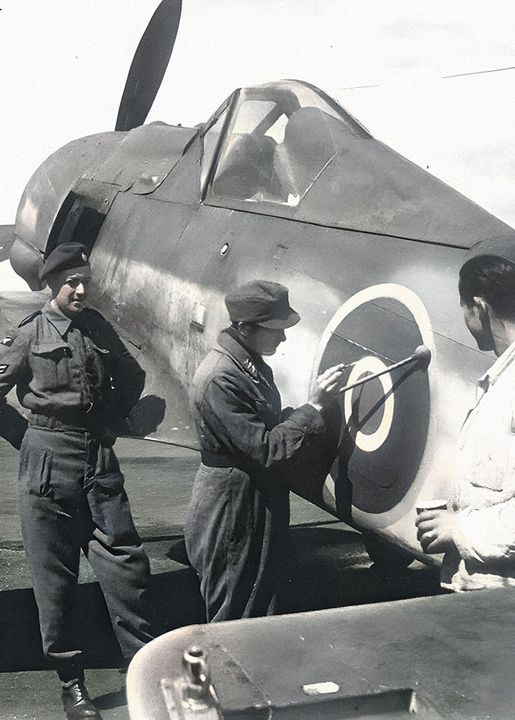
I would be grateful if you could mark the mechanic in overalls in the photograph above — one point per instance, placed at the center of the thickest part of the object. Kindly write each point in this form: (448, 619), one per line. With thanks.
(78, 382)
(238, 517)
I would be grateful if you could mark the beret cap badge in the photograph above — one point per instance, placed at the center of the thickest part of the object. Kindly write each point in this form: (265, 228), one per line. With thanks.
(67, 256)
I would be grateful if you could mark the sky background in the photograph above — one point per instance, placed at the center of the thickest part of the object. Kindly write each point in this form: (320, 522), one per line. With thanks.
(64, 65)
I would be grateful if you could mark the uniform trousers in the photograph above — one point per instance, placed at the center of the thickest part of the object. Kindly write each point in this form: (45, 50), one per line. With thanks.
(236, 538)
(72, 496)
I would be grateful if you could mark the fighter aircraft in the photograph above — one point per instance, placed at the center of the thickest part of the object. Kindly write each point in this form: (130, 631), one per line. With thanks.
(281, 183)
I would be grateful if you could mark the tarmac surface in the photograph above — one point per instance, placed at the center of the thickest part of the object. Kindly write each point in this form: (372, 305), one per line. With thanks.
(329, 568)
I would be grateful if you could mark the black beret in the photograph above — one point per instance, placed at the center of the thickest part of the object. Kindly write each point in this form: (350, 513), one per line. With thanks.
(65, 257)
(263, 303)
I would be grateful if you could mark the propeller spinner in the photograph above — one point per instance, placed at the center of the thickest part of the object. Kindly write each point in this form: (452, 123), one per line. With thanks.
(149, 65)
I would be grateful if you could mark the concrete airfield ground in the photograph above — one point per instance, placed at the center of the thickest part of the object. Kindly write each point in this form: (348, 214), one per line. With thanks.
(330, 568)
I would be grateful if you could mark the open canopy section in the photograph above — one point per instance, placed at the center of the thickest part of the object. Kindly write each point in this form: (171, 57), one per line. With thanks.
(287, 149)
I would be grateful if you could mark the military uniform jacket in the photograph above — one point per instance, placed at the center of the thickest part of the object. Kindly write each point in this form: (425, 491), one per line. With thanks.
(78, 372)
(237, 410)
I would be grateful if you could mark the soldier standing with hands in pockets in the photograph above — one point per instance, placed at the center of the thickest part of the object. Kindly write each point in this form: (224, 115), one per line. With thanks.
(78, 382)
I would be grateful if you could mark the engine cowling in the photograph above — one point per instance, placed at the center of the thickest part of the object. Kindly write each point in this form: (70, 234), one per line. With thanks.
(48, 197)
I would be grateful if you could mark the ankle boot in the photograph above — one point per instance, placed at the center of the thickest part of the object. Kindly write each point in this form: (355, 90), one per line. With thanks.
(77, 703)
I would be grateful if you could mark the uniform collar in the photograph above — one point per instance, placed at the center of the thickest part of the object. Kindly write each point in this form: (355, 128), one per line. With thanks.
(499, 366)
(57, 318)
(252, 363)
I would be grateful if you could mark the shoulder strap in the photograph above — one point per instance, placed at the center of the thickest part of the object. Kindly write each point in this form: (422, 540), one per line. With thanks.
(29, 318)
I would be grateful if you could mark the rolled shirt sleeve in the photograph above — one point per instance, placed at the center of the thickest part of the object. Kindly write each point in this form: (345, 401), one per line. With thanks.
(487, 535)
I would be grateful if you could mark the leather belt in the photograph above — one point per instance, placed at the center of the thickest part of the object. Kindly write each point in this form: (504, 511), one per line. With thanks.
(218, 460)
(76, 423)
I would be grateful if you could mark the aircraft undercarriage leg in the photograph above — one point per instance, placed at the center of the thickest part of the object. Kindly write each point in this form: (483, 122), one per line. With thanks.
(388, 558)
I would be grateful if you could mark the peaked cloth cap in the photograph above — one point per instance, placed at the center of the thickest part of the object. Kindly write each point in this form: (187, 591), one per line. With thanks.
(67, 256)
(261, 302)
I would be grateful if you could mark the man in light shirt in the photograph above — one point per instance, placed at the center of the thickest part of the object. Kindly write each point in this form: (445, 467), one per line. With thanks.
(477, 532)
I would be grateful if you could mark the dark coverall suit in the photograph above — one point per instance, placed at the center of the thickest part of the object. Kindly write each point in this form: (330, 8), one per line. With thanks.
(238, 517)
(78, 381)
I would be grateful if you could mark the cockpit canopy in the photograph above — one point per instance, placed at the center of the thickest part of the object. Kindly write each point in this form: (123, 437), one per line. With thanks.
(279, 138)
(289, 150)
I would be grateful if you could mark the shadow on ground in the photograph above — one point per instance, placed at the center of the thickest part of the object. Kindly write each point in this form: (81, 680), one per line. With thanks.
(329, 568)
(173, 596)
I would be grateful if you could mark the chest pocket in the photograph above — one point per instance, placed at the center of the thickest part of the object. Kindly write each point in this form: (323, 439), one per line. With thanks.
(98, 367)
(50, 364)
(491, 464)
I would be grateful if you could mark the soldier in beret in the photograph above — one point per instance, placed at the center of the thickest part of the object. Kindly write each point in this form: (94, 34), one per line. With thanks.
(238, 516)
(78, 382)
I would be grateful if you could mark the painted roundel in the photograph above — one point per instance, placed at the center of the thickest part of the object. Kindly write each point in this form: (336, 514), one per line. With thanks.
(386, 420)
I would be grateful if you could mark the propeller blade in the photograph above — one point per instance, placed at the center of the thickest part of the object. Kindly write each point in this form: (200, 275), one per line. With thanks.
(6, 240)
(149, 65)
